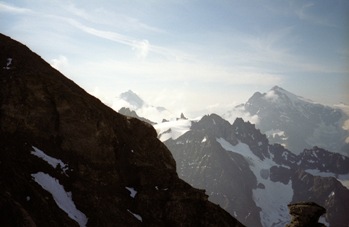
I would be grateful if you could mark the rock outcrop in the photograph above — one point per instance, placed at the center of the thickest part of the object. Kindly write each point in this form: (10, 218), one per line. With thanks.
(304, 214)
(66, 159)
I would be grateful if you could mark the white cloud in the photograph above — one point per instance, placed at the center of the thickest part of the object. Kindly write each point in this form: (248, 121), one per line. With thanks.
(142, 48)
(346, 125)
(102, 95)
(13, 9)
(112, 18)
(181, 71)
(240, 112)
(304, 13)
(207, 59)
(270, 95)
(77, 11)
(60, 63)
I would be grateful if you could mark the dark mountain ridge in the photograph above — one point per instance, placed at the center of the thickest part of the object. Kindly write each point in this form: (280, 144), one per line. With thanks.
(131, 113)
(67, 159)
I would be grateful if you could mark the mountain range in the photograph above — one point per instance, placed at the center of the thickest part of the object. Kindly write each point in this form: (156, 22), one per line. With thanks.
(287, 119)
(253, 179)
(295, 150)
(67, 159)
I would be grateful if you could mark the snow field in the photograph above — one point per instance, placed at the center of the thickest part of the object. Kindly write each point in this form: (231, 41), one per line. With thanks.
(275, 197)
(62, 198)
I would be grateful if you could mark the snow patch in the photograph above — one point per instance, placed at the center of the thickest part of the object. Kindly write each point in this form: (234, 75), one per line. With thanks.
(9, 62)
(292, 97)
(322, 220)
(50, 160)
(62, 198)
(135, 215)
(204, 140)
(132, 191)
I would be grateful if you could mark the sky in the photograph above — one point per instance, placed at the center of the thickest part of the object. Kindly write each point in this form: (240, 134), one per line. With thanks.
(190, 56)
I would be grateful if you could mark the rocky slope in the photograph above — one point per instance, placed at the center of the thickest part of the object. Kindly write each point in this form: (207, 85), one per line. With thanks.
(255, 180)
(66, 159)
(305, 214)
(295, 122)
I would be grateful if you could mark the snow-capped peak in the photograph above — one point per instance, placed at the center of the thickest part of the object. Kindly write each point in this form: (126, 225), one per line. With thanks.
(278, 93)
(296, 122)
(132, 101)
(132, 98)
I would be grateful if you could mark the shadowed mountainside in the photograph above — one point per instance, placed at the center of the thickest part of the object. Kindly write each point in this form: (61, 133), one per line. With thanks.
(112, 170)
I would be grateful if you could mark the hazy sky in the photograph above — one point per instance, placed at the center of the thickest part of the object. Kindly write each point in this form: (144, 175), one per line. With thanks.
(190, 55)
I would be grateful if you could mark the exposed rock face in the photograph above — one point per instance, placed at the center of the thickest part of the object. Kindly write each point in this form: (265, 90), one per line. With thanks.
(325, 191)
(225, 176)
(323, 160)
(305, 214)
(103, 157)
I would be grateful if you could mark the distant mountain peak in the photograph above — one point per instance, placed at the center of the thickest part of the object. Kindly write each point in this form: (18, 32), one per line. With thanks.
(277, 92)
(276, 87)
(132, 98)
(295, 122)
(134, 102)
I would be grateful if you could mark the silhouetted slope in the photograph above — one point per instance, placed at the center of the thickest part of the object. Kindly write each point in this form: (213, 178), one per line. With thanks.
(67, 159)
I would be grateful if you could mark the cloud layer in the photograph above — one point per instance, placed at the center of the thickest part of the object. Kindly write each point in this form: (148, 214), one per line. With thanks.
(226, 49)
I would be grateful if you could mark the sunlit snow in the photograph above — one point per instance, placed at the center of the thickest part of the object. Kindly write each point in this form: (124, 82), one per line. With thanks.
(204, 140)
(62, 198)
